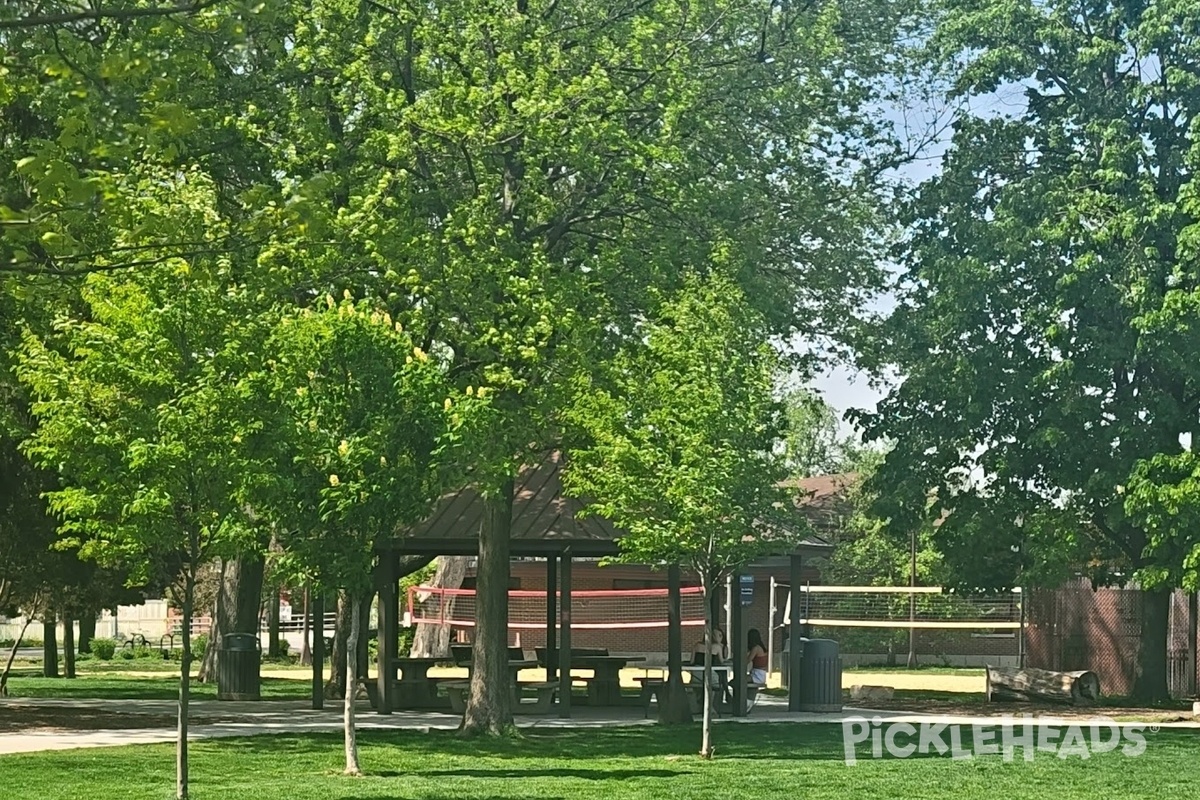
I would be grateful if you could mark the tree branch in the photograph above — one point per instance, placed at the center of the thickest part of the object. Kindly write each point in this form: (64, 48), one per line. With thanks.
(95, 14)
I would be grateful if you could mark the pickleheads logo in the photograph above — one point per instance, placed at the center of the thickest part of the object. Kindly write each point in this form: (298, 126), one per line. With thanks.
(1006, 737)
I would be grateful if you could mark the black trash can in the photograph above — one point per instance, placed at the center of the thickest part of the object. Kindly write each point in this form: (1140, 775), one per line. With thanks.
(237, 667)
(820, 680)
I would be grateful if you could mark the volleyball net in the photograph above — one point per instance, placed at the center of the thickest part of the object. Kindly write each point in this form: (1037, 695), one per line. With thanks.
(614, 609)
(929, 607)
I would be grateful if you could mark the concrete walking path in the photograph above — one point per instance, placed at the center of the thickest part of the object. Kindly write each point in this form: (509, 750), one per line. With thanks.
(287, 716)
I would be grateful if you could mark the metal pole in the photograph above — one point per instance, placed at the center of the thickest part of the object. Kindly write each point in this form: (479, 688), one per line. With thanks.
(318, 652)
(771, 627)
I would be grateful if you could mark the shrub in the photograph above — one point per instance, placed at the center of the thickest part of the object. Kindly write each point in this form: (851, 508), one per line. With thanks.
(125, 653)
(28, 641)
(283, 647)
(198, 644)
(103, 649)
(143, 651)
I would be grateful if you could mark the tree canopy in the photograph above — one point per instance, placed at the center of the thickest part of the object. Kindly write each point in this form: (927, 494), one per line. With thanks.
(1047, 323)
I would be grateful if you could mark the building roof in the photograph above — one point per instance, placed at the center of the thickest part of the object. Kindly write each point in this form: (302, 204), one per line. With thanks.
(544, 521)
(824, 500)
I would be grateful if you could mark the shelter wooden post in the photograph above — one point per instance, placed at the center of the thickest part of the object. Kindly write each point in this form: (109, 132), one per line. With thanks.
(564, 616)
(737, 647)
(395, 607)
(1192, 623)
(551, 618)
(794, 646)
(387, 633)
(318, 651)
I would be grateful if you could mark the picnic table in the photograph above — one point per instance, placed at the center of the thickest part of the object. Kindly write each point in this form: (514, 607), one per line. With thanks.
(604, 688)
(695, 685)
(414, 687)
(457, 690)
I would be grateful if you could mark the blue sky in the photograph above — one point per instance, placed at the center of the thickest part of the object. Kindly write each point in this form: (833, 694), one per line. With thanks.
(844, 387)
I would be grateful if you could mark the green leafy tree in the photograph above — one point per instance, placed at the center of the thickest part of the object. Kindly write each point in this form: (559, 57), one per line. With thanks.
(370, 427)
(681, 443)
(1047, 324)
(813, 442)
(139, 410)
(95, 100)
(512, 179)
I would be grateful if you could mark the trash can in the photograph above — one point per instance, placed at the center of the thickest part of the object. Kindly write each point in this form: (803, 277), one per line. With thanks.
(820, 680)
(237, 667)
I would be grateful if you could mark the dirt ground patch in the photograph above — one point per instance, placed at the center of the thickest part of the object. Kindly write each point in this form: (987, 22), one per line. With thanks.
(40, 719)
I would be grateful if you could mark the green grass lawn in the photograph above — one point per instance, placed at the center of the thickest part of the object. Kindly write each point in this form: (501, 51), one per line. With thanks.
(920, 670)
(140, 687)
(761, 761)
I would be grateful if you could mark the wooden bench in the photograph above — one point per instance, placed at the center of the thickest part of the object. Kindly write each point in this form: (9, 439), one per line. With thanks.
(543, 703)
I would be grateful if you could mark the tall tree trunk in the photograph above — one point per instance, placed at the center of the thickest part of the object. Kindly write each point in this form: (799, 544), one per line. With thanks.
(273, 624)
(306, 625)
(706, 749)
(336, 685)
(433, 641)
(68, 646)
(351, 662)
(675, 710)
(238, 602)
(185, 687)
(1151, 683)
(50, 645)
(12, 654)
(87, 629)
(489, 705)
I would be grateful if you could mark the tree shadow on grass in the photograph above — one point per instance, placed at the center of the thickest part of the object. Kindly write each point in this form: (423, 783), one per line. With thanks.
(769, 741)
(506, 774)
(444, 797)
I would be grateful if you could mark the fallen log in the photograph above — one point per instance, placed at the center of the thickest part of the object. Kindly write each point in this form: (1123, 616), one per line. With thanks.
(1010, 683)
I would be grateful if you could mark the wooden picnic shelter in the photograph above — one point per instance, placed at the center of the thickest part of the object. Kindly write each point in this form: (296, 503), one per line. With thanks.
(545, 524)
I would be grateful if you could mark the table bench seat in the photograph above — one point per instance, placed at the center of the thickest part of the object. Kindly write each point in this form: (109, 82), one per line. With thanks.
(543, 703)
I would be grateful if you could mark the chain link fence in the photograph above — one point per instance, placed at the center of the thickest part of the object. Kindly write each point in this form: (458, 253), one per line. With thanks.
(1074, 627)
